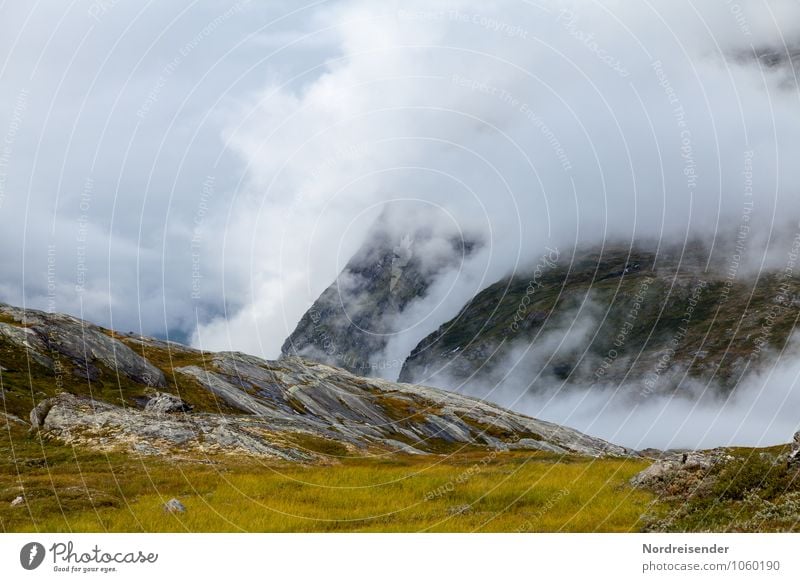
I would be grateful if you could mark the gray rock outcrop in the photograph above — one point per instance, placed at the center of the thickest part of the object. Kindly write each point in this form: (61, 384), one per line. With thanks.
(680, 473)
(40, 412)
(163, 403)
(794, 455)
(291, 409)
(285, 403)
(350, 324)
(84, 349)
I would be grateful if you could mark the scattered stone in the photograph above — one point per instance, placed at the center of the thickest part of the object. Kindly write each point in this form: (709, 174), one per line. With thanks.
(460, 509)
(145, 449)
(174, 506)
(163, 403)
(19, 500)
(6, 418)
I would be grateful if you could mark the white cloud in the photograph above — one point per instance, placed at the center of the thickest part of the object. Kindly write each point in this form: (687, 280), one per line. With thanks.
(528, 124)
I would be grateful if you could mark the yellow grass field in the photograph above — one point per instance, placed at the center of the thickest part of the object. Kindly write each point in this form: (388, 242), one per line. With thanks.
(70, 490)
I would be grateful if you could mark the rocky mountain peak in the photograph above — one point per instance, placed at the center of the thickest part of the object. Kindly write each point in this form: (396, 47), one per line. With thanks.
(352, 321)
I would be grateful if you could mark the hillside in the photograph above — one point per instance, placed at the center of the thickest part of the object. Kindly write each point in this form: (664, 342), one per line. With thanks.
(98, 430)
(350, 324)
(89, 386)
(655, 321)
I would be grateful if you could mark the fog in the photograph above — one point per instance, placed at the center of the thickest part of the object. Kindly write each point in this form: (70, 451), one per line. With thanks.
(509, 122)
(206, 172)
(676, 411)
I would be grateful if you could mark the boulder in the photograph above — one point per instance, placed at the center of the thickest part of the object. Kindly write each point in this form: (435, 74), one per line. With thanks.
(163, 403)
(174, 506)
(40, 412)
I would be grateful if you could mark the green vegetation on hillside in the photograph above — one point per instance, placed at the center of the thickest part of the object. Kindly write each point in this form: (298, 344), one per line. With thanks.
(648, 316)
(458, 488)
(26, 382)
(755, 491)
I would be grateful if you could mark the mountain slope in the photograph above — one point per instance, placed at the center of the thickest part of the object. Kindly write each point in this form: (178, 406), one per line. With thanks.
(655, 320)
(252, 445)
(350, 324)
(155, 398)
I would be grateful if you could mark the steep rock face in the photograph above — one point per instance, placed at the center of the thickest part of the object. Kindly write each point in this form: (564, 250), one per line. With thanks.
(649, 319)
(57, 340)
(350, 324)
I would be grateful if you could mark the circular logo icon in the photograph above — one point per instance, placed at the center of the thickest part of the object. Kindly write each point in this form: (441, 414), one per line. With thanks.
(31, 555)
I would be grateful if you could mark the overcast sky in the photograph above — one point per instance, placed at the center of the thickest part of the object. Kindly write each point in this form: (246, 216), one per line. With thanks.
(116, 174)
(170, 164)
